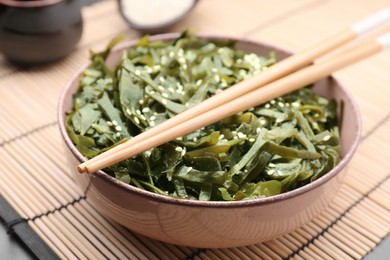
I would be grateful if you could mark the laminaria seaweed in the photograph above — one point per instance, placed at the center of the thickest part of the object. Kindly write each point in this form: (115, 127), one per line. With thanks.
(266, 150)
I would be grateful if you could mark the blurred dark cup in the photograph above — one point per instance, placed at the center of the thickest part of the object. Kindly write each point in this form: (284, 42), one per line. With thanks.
(39, 31)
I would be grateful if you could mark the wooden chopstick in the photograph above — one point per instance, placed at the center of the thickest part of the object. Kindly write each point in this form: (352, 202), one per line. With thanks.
(268, 92)
(275, 72)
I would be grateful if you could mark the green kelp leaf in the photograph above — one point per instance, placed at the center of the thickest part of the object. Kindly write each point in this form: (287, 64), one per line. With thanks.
(288, 152)
(192, 175)
(86, 116)
(113, 114)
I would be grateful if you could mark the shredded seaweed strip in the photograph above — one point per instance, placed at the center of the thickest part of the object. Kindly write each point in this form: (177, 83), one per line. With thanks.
(266, 150)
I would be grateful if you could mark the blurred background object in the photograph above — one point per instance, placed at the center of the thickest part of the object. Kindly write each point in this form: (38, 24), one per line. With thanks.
(39, 31)
(154, 16)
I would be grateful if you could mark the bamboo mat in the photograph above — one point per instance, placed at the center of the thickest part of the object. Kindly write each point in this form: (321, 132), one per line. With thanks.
(35, 178)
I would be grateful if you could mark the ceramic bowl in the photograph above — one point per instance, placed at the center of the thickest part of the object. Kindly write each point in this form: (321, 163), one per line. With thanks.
(39, 31)
(215, 224)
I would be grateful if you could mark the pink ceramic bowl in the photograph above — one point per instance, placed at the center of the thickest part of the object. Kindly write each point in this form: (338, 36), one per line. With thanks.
(215, 224)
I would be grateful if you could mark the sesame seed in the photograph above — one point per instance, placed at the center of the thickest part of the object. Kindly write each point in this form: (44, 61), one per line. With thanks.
(182, 60)
(185, 66)
(279, 120)
(271, 172)
(128, 111)
(235, 137)
(137, 72)
(214, 70)
(252, 140)
(280, 104)
(280, 172)
(241, 143)
(272, 165)
(138, 112)
(114, 122)
(171, 54)
(152, 118)
(221, 137)
(326, 137)
(161, 88)
(295, 104)
(152, 123)
(118, 128)
(141, 102)
(195, 139)
(145, 110)
(109, 123)
(198, 82)
(143, 117)
(178, 149)
(258, 130)
(149, 70)
(161, 79)
(170, 89)
(267, 105)
(262, 121)
(183, 152)
(164, 101)
(272, 102)
(136, 120)
(189, 169)
(118, 134)
(165, 95)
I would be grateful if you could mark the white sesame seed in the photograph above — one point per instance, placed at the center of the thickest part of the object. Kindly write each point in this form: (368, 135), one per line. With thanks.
(272, 102)
(128, 111)
(185, 66)
(143, 117)
(262, 121)
(279, 120)
(182, 60)
(152, 123)
(170, 89)
(136, 120)
(326, 137)
(272, 165)
(109, 123)
(145, 110)
(252, 140)
(138, 112)
(165, 95)
(178, 149)
(241, 143)
(189, 169)
(280, 104)
(114, 122)
(271, 172)
(295, 104)
(161, 88)
(118, 128)
(258, 130)
(141, 102)
(221, 137)
(152, 92)
(171, 54)
(235, 137)
(152, 118)
(217, 78)
(118, 134)
(137, 72)
(183, 152)
(214, 70)
(195, 139)
(267, 106)
(161, 79)
(149, 70)
(164, 101)
(198, 82)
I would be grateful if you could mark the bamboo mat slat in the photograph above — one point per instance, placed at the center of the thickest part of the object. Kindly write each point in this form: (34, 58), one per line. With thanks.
(36, 180)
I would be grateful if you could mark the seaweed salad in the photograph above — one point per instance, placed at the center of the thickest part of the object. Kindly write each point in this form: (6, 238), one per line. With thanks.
(267, 150)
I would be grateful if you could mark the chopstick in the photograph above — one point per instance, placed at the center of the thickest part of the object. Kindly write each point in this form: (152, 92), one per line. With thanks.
(240, 96)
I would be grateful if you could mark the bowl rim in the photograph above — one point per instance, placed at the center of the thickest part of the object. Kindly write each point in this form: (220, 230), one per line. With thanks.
(209, 204)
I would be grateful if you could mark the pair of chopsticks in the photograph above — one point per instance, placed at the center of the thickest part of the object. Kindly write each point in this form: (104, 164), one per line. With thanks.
(278, 80)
